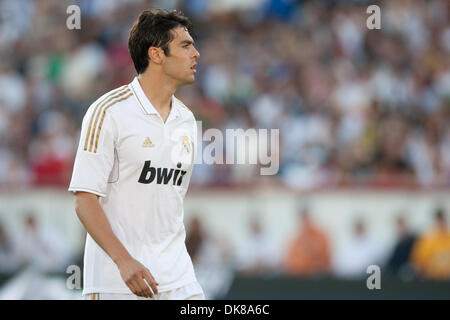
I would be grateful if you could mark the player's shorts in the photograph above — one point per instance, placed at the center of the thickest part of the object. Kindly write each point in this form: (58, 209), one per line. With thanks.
(192, 291)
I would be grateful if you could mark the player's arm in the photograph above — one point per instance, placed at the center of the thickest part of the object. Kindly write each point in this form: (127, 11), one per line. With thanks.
(92, 167)
(94, 220)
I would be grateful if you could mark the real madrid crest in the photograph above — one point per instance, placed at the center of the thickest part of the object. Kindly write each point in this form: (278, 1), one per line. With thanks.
(186, 144)
(182, 147)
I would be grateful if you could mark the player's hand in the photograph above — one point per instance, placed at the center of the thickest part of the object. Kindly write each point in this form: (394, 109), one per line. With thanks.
(136, 277)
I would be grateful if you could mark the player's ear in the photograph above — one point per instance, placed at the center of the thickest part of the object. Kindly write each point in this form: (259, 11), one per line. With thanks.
(156, 55)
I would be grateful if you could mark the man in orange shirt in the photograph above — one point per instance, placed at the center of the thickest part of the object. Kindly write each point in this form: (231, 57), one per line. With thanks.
(308, 253)
(431, 253)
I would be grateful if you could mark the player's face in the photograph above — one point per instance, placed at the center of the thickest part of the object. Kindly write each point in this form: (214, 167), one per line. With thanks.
(182, 59)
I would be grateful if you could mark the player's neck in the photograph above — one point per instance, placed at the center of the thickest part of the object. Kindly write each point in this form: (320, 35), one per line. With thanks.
(158, 91)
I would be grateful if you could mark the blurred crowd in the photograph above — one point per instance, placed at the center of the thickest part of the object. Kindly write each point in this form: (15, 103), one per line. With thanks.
(414, 255)
(355, 107)
(307, 253)
(34, 244)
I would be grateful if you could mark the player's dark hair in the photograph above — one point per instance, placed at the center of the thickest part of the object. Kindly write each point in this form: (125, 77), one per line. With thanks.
(153, 28)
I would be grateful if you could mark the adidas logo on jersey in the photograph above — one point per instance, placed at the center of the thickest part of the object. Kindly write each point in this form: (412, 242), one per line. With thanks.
(148, 143)
(162, 175)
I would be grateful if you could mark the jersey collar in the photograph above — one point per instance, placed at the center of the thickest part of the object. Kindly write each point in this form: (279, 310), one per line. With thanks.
(147, 106)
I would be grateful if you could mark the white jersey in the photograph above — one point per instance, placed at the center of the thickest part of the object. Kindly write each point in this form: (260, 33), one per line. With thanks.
(140, 167)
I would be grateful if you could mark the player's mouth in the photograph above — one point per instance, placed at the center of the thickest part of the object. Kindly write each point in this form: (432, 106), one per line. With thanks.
(193, 68)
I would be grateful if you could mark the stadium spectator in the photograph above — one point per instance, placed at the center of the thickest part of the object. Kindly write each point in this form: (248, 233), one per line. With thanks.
(211, 257)
(309, 252)
(431, 252)
(257, 255)
(398, 262)
(354, 256)
(195, 238)
(8, 259)
(42, 247)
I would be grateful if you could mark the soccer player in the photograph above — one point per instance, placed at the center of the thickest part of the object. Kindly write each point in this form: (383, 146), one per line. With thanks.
(133, 167)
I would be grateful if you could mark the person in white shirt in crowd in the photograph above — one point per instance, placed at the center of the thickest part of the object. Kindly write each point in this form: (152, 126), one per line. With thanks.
(354, 256)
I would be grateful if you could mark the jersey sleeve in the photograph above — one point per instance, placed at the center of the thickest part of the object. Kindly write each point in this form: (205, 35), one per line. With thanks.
(95, 154)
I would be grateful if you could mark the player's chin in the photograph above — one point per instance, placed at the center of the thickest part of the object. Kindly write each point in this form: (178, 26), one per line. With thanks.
(190, 79)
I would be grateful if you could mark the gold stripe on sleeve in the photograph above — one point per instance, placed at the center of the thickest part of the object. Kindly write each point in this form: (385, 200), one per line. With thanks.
(110, 100)
(95, 110)
(103, 117)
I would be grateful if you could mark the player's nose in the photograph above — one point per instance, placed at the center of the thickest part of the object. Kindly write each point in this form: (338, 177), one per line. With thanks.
(196, 53)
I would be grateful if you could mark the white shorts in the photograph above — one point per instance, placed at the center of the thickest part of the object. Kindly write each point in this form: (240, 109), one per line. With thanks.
(192, 291)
